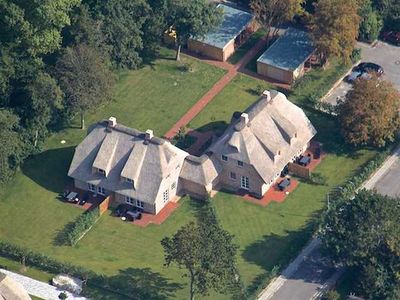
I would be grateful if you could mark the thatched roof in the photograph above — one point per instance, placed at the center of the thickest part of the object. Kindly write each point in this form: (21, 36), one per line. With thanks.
(10, 289)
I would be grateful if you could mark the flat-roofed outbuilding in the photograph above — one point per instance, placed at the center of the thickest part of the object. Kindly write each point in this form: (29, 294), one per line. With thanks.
(220, 43)
(284, 60)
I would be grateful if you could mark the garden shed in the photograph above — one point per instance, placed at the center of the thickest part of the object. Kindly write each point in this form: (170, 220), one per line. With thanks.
(284, 60)
(220, 44)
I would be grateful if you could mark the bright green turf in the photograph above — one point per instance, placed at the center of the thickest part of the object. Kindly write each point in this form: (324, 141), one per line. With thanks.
(31, 216)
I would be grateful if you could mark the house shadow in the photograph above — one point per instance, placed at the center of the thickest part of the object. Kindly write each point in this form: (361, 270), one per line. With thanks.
(133, 283)
(217, 127)
(49, 168)
(274, 252)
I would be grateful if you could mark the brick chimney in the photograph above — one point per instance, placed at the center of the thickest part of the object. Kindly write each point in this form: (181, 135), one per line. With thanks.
(267, 95)
(112, 121)
(244, 118)
(148, 135)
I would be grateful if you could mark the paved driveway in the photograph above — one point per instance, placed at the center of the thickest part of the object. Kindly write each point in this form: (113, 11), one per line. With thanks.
(383, 54)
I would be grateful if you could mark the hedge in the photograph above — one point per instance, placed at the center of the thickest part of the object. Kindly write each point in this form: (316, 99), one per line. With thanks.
(81, 226)
(350, 186)
(53, 266)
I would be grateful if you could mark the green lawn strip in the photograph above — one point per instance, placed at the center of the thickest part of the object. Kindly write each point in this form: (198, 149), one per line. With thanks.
(237, 96)
(31, 272)
(250, 43)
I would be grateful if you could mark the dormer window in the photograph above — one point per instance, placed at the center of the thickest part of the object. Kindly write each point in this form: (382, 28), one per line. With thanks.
(101, 171)
(279, 152)
(240, 163)
(224, 158)
(129, 180)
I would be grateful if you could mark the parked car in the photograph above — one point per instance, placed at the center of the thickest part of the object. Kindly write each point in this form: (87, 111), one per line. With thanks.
(363, 71)
(393, 37)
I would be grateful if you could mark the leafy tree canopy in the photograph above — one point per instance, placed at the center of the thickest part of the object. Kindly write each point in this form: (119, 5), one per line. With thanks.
(364, 235)
(370, 114)
(334, 28)
(206, 251)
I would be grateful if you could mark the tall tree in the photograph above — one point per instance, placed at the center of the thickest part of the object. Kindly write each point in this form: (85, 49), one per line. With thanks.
(34, 26)
(363, 234)
(370, 113)
(84, 78)
(192, 19)
(334, 28)
(272, 13)
(11, 145)
(371, 23)
(207, 252)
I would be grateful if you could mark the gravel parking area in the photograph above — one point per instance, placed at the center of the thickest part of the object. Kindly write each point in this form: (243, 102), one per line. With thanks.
(383, 54)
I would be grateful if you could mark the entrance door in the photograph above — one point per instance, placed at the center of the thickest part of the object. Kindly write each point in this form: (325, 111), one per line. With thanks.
(244, 182)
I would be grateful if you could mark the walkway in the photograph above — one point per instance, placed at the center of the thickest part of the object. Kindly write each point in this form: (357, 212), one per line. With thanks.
(38, 288)
(217, 88)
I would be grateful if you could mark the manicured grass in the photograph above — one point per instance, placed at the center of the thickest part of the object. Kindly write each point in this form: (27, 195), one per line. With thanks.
(242, 50)
(31, 216)
(237, 96)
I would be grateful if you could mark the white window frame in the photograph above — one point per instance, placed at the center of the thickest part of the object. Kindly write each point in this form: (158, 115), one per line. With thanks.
(224, 157)
(245, 182)
(166, 195)
(173, 185)
(92, 187)
(129, 200)
(101, 190)
(128, 180)
(240, 163)
(139, 204)
(101, 171)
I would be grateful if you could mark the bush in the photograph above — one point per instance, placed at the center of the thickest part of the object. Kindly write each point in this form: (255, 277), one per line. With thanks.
(355, 55)
(318, 179)
(62, 296)
(370, 26)
(186, 67)
(331, 295)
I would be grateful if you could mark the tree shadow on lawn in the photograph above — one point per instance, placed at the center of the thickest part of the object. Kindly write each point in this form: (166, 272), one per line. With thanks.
(137, 283)
(274, 252)
(49, 169)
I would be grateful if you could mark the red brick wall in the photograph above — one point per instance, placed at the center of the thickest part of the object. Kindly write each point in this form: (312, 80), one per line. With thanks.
(103, 206)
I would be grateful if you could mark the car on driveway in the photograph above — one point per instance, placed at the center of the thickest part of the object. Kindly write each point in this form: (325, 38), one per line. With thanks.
(363, 71)
(392, 37)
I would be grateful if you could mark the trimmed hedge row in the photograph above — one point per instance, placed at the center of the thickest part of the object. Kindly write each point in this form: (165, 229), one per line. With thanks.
(81, 226)
(53, 266)
(350, 186)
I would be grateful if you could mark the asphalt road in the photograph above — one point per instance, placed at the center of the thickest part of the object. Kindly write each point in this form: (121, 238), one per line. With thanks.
(389, 183)
(383, 54)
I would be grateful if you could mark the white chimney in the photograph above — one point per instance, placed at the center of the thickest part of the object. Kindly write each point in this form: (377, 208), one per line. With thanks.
(244, 118)
(267, 94)
(149, 134)
(112, 121)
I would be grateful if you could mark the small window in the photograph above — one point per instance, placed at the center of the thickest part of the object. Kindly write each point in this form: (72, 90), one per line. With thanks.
(129, 200)
(166, 195)
(240, 163)
(178, 166)
(101, 171)
(295, 135)
(233, 175)
(279, 152)
(224, 158)
(101, 190)
(129, 180)
(92, 187)
(139, 204)
(173, 186)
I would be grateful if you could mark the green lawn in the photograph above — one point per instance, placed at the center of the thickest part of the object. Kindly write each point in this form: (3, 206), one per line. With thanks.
(237, 96)
(242, 50)
(31, 216)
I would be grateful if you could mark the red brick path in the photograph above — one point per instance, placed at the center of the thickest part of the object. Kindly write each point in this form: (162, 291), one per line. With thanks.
(232, 72)
(158, 219)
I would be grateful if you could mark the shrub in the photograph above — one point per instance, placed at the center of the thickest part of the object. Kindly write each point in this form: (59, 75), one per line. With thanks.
(331, 295)
(186, 67)
(62, 296)
(355, 55)
(81, 225)
(318, 179)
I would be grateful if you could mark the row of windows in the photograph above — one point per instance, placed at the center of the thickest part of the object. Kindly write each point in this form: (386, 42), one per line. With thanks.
(225, 158)
(99, 189)
(134, 202)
